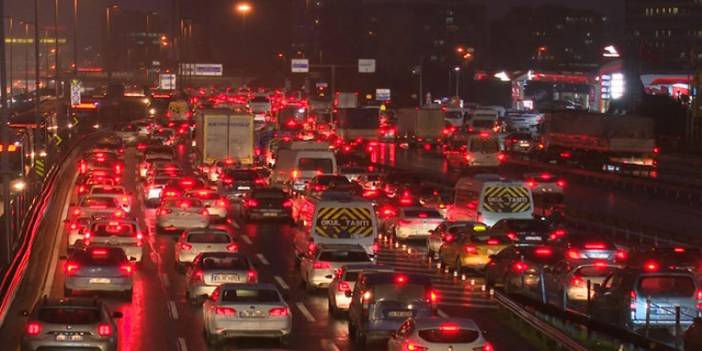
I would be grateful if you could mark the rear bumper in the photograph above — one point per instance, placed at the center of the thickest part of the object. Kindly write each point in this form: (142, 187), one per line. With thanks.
(83, 284)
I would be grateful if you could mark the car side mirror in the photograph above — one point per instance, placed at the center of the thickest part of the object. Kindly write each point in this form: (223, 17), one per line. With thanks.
(24, 313)
(117, 314)
(348, 293)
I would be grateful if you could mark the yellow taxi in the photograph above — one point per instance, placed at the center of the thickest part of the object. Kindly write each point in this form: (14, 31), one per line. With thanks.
(473, 248)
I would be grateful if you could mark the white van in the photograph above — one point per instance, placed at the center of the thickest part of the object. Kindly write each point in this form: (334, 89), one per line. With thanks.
(338, 220)
(483, 150)
(455, 116)
(488, 198)
(297, 167)
(483, 120)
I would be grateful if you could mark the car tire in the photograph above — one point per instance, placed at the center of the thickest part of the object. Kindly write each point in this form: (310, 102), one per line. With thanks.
(67, 292)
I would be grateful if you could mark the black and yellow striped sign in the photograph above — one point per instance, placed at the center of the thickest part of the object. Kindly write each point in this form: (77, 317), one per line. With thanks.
(344, 222)
(39, 168)
(506, 199)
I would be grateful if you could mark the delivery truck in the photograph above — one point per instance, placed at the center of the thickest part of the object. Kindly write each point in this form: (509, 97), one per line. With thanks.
(420, 125)
(598, 139)
(224, 134)
(358, 123)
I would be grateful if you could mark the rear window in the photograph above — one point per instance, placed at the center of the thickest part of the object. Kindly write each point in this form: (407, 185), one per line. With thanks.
(484, 145)
(332, 180)
(107, 191)
(241, 175)
(343, 256)
(98, 202)
(260, 99)
(490, 239)
(117, 229)
(666, 286)
(250, 296)
(351, 276)
(184, 203)
(594, 271)
(483, 123)
(204, 195)
(68, 315)
(404, 293)
(422, 213)
(323, 165)
(226, 262)
(95, 257)
(528, 226)
(452, 336)
(213, 238)
(268, 195)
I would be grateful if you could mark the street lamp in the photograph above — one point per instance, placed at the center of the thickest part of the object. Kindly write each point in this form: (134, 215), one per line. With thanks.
(457, 69)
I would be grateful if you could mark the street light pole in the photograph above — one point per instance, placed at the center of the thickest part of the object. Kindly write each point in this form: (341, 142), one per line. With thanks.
(4, 141)
(75, 38)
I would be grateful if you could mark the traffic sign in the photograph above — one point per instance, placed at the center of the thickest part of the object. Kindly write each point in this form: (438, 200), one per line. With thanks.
(57, 139)
(300, 65)
(167, 81)
(382, 94)
(75, 92)
(75, 121)
(39, 168)
(366, 65)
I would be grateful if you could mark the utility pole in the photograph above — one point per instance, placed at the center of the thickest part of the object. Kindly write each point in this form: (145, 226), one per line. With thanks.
(4, 141)
(75, 38)
(38, 134)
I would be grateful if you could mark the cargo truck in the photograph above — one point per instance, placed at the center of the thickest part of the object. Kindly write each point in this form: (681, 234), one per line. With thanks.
(358, 123)
(598, 140)
(224, 135)
(420, 126)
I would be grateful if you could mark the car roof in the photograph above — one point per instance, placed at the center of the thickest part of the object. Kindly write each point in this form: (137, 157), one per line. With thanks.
(257, 286)
(435, 322)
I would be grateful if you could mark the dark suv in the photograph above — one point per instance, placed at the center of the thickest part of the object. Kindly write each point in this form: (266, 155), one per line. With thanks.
(381, 301)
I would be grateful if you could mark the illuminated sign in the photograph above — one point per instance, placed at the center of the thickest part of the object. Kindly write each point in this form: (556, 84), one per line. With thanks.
(26, 41)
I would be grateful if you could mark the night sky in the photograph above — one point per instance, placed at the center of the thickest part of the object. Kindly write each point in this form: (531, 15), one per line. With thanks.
(92, 11)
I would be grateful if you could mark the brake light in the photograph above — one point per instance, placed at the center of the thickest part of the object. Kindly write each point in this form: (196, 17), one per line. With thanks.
(404, 221)
(295, 174)
(410, 346)
(319, 187)
(82, 189)
(99, 253)
(400, 279)
(651, 266)
(561, 183)
(164, 211)
(287, 203)
(573, 254)
(449, 328)
(119, 214)
(251, 203)
(493, 242)
(501, 157)
(543, 251)
(233, 247)
(566, 154)
(632, 300)
(595, 246)
(118, 168)
(470, 249)
(577, 281)
(141, 147)
(679, 250)
(487, 346)
(343, 286)
(198, 276)
(387, 212)
(557, 234)
(73, 226)
(531, 184)
(366, 296)
(375, 247)
(520, 267)
(405, 200)
(252, 277)
(321, 265)
(278, 312)
(225, 311)
(512, 236)
(221, 203)
(71, 268)
(33, 328)
(126, 269)
(621, 255)
(185, 246)
(260, 181)
(433, 296)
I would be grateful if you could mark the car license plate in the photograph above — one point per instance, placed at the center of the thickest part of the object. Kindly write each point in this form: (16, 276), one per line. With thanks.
(598, 255)
(244, 188)
(225, 278)
(246, 314)
(154, 193)
(269, 214)
(99, 281)
(400, 314)
(532, 238)
(663, 311)
(64, 337)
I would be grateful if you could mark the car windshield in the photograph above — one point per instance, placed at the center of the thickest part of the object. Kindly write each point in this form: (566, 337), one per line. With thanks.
(343, 256)
(241, 175)
(98, 202)
(250, 295)
(209, 238)
(69, 315)
(528, 226)
(484, 145)
(323, 165)
(666, 286)
(224, 263)
(427, 213)
(448, 334)
(268, 195)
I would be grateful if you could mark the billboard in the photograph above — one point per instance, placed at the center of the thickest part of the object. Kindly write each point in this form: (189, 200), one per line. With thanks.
(202, 69)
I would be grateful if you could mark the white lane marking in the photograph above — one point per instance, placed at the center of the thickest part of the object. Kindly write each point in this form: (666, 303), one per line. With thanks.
(328, 345)
(305, 312)
(164, 279)
(182, 345)
(471, 305)
(263, 259)
(442, 314)
(173, 309)
(53, 262)
(246, 239)
(281, 282)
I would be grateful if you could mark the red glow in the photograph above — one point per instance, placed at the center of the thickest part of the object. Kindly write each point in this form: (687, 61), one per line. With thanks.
(400, 279)
(343, 286)
(543, 251)
(252, 277)
(185, 246)
(278, 312)
(33, 328)
(449, 328)
(651, 266)
(71, 268)
(595, 246)
(321, 265)
(233, 247)
(520, 267)
(225, 311)
(470, 249)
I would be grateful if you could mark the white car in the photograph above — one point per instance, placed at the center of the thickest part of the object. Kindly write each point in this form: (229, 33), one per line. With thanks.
(196, 241)
(181, 214)
(152, 190)
(76, 230)
(212, 269)
(547, 186)
(217, 206)
(447, 231)
(118, 192)
(155, 162)
(344, 282)
(124, 233)
(246, 310)
(98, 206)
(413, 223)
(318, 266)
(436, 333)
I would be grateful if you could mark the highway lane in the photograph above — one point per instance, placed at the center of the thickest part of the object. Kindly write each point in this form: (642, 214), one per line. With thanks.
(160, 318)
(633, 207)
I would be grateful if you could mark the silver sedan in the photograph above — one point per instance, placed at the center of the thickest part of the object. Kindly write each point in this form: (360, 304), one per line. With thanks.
(211, 269)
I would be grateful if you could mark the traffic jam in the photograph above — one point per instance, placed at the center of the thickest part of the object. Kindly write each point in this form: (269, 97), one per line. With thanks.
(252, 219)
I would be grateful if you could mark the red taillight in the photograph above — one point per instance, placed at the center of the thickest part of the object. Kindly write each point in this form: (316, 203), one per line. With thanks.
(566, 154)
(433, 296)
(233, 247)
(126, 269)
(278, 312)
(260, 181)
(185, 246)
(141, 147)
(33, 328)
(400, 279)
(487, 346)
(118, 168)
(470, 249)
(198, 276)
(375, 247)
(679, 250)
(287, 203)
(411, 346)
(632, 300)
(251, 203)
(595, 246)
(71, 268)
(493, 242)
(577, 281)
(405, 200)
(512, 236)
(343, 286)
(543, 251)
(367, 296)
(164, 211)
(74, 226)
(501, 157)
(651, 266)
(252, 277)
(520, 267)
(221, 203)
(321, 265)
(225, 311)
(573, 254)
(561, 183)
(621, 255)
(387, 212)
(82, 189)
